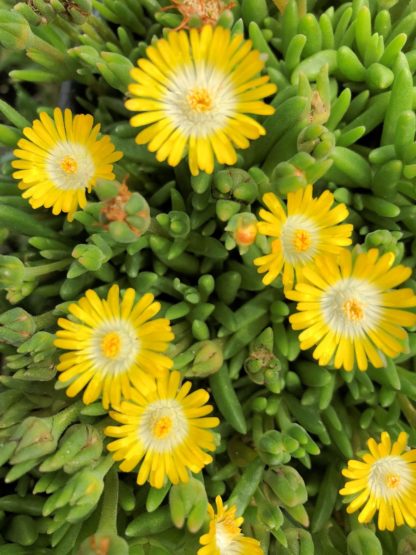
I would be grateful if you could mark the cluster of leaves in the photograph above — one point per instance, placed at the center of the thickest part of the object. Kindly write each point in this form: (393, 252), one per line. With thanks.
(345, 121)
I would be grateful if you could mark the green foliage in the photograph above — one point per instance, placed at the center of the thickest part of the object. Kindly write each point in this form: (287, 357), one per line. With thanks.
(345, 121)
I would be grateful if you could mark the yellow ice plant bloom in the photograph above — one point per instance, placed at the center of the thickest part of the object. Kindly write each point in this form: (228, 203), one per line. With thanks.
(306, 228)
(194, 91)
(113, 345)
(60, 159)
(348, 307)
(224, 536)
(165, 429)
(384, 481)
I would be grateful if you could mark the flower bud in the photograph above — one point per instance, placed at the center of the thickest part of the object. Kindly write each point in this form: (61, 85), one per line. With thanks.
(199, 13)
(126, 215)
(16, 294)
(316, 140)
(40, 342)
(103, 544)
(12, 271)
(242, 231)
(16, 326)
(121, 232)
(208, 359)
(89, 256)
(363, 541)
(104, 189)
(386, 241)
(272, 449)
(80, 494)
(179, 224)
(236, 184)
(262, 365)
(297, 172)
(75, 449)
(288, 485)
(320, 110)
(88, 455)
(188, 501)
(35, 438)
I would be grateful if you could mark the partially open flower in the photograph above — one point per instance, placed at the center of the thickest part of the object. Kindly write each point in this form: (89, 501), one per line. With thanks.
(242, 229)
(224, 536)
(126, 214)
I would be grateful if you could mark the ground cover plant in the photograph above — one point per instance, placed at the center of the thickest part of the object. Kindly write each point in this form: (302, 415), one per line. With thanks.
(207, 300)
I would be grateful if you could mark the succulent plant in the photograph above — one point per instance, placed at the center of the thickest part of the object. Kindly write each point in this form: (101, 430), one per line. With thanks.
(344, 122)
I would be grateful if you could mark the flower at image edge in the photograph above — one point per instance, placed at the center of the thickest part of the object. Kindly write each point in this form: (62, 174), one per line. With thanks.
(307, 228)
(348, 307)
(224, 536)
(384, 481)
(165, 430)
(112, 345)
(60, 158)
(194, 93)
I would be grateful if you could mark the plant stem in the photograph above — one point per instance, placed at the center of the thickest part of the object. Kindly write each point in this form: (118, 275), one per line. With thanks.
(32, 272)
(45, 320)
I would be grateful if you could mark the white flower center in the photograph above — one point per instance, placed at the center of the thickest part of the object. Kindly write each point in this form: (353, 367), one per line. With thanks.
(299, 239)
(389, 477)
(163, 426)
(114, 347)
(226, 532)
(351, 307)
(70, 166)
(199, 99)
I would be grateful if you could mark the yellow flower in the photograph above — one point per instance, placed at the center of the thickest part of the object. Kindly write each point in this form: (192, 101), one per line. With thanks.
(384, 481)
(164, 430)
(60, 158)
(349, 309)
(224, 536)
(113, 345)
(307, 228)
(194, 92)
